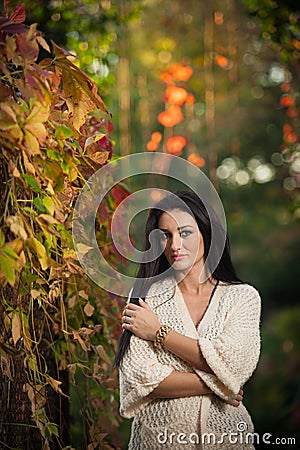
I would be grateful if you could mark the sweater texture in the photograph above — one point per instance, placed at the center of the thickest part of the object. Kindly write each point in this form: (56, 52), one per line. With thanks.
(229, 339)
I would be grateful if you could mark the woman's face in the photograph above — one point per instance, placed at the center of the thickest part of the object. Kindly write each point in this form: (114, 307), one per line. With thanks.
(182, 239)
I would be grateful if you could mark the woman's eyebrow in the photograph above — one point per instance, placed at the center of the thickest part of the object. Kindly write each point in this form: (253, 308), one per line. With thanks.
(178, 228)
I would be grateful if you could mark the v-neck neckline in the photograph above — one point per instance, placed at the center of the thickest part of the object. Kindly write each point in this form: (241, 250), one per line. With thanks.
(194, 330)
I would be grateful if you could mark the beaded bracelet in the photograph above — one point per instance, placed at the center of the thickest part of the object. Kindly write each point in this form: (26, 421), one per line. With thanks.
(161, 335)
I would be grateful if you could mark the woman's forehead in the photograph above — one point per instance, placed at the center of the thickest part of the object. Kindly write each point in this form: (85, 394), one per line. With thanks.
(176, 218)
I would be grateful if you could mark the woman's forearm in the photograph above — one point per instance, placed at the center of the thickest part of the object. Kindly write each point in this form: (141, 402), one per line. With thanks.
(180, 384)
(187, 349)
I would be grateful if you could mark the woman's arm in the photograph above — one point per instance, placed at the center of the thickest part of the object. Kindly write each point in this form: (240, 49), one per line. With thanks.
(180, 384)
(143, 322)
(186, 384)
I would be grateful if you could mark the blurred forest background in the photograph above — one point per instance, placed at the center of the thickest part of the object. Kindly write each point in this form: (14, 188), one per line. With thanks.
(240, 124)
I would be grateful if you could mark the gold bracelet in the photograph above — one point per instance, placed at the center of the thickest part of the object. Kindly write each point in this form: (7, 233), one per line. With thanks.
(161, 335)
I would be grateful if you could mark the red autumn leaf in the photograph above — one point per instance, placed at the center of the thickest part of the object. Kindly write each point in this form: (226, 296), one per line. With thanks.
(18, 14)
(175, 95)
(27, 49)
(12, 28)
(171, 117)
(175, 144)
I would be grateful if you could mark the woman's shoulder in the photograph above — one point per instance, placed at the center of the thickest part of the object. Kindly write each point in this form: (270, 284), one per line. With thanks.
(240, 291)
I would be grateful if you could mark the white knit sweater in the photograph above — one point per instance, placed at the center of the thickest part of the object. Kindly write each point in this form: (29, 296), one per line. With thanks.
(229, 339)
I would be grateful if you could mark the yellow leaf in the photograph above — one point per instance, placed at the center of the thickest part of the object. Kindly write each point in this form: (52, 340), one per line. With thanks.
(32, 144)
(16, 328)
(89, 309)
(28, 166)
(43, 43)
(40, 251)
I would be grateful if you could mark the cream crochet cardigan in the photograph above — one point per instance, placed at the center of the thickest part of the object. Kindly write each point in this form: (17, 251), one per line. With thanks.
(229, 339)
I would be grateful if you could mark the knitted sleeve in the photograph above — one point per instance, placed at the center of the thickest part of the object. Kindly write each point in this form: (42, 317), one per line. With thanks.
(233, 352)
(140, 373)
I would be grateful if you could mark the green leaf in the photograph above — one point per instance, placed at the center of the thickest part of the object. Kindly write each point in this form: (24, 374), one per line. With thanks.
(62, 132)
(32, 183)
(7, 269)
(2, 238)
(10, 253)
(39, 205)
(54, 155)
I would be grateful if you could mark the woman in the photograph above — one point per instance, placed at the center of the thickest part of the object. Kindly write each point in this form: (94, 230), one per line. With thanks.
(192, 343)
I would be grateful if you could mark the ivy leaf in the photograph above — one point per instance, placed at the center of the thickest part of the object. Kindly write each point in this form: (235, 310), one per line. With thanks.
(80, 90)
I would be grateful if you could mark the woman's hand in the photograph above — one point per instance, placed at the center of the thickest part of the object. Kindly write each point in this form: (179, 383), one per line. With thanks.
(237, 400)
(140, 320)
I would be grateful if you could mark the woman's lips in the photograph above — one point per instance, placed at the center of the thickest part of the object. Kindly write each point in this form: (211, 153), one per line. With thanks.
(178, 257)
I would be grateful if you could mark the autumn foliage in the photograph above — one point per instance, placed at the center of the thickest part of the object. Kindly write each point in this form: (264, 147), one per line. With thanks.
(55, 132)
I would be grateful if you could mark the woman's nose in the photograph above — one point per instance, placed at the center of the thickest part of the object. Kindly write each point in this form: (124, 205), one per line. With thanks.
(176, 242)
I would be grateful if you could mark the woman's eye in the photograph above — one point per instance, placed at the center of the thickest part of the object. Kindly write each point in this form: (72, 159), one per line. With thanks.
(185, 233)
(164, 235)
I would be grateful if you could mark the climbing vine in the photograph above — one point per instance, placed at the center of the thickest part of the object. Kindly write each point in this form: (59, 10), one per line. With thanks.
(55, 132)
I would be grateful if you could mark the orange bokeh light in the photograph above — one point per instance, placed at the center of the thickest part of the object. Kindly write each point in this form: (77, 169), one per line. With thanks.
(175, 95)
(196, 160)
(171, 117)
(285, 87)
(156, 137)
(286, 101)
(190, 99)
(176, 72)
(175, 144)
(222, 61)
(151, 146)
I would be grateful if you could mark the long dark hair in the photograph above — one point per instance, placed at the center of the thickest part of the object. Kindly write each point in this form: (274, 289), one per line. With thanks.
(217, 258)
